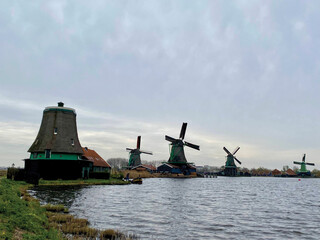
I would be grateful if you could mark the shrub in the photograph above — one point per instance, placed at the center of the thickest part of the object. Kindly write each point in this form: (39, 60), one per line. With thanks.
(117, 175)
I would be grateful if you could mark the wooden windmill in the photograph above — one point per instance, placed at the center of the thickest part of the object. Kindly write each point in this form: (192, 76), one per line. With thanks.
(230, 166)
(303, 169)
(177, 156)
(56, 151)
(134, 159)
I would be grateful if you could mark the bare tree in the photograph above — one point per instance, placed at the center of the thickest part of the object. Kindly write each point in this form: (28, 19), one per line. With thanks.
(153, 163)
(118, 163)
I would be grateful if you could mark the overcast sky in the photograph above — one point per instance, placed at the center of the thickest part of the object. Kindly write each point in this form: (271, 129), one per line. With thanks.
(240, 73)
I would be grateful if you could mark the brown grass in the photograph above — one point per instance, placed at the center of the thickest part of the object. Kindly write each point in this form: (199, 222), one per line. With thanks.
(3, 173)
(55, 208)
(69, 224)
(142, 174)
(18, 234)
(78, 228)
(111, 234)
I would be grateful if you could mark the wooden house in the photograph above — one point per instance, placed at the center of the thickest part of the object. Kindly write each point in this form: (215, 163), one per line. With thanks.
(186, 169)
(276, 173)
(56, 152)
(144, 167)
(290, 173)
(98, 163)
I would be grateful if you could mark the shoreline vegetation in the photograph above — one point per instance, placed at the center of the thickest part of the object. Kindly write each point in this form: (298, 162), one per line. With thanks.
(22, 217)
(82, 182)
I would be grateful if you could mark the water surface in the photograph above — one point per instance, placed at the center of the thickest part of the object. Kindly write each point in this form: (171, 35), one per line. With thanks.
(202, 208)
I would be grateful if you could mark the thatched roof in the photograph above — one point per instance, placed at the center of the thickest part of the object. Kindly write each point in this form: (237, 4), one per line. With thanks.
(58, 132)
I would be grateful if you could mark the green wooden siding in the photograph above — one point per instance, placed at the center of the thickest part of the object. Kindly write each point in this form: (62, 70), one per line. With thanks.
(54, 156)
(100, 169)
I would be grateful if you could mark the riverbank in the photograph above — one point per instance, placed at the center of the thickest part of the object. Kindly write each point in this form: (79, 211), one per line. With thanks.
(22, 217)
(82, 182)
(146, 174)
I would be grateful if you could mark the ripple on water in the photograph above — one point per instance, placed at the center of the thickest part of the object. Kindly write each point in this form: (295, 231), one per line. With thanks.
(219, 208)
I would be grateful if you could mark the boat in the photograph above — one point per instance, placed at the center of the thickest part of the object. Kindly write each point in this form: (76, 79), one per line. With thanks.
(137, 180)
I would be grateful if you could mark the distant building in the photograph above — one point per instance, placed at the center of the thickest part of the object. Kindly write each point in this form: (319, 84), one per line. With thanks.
(187, 169)
(169, 168)
(200, 169)
(98, 163)
(144, 167)
(290, 173)
(56, 151)
(276, 173)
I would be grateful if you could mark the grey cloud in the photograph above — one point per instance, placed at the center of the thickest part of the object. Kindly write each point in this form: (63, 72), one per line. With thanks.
(244, 70)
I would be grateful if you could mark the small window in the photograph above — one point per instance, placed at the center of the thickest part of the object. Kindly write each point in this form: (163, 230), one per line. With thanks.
(35, 155)
(48, 153)
(55, 131)
(36, 142)
(72, 141)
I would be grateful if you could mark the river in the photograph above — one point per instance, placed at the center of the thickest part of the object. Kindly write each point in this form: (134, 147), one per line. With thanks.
(201, 208)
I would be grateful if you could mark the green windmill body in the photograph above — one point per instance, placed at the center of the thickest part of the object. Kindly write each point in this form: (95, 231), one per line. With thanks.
(177, 156)
(230, 168)
(303, 169)
(134, 159)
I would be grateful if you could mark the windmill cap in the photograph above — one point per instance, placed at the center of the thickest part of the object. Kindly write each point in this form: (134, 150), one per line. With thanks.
(60, 107)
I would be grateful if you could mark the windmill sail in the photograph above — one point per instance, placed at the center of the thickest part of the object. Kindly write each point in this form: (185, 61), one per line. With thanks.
(230, 166)
(170, 139)
(183, 130)
(177, 155)
(192, 145)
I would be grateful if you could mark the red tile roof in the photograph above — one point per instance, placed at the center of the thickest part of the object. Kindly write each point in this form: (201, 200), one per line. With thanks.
(94, 157)
(276, 172)
(146, 166)
(290, 172)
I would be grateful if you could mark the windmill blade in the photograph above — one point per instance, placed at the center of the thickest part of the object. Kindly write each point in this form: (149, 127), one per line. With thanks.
(304, 158)
(237, 159)
(192, 145)
(311, 164)
(146, 152)
(170, 139)
(236, 150)
(138, 142)
(129, 149)
(183, 130)
(227, 151)
(297, 162)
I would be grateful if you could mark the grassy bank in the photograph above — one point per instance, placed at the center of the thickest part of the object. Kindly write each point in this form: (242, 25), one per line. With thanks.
(3, 173)
(80, 182)
(21, 219)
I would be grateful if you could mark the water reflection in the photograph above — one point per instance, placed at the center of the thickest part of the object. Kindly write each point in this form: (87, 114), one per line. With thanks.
(65, 195)
(220, 208)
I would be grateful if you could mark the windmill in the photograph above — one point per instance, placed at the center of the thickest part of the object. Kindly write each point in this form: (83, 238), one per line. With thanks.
(303, 170)
(230, 167)
(177, 156)
(57, 152)
(134, 159)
